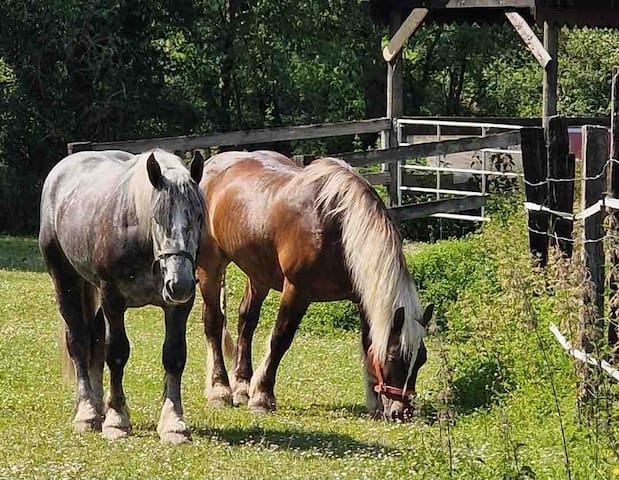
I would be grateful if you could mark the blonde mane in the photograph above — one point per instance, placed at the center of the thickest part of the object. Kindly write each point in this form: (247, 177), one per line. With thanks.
(372, 251)
(141, 189)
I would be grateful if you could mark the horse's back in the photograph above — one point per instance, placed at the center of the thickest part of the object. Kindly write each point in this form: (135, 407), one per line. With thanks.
(262, 215)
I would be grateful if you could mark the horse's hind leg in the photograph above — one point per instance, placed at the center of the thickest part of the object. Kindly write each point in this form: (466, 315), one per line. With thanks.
(172, 427)
(293, 306)
(217, 389)
(69, 290)
(117, 423)
(249, 313)
(94, 315)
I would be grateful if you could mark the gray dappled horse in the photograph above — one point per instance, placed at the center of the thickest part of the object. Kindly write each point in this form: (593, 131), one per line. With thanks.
(119, 231)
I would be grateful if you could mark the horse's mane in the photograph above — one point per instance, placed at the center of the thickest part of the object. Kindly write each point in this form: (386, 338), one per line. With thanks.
(372, 250)
(178, 185)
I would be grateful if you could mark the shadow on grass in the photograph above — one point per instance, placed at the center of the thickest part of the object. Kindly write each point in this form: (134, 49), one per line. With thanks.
(327, 444)
(21, 254)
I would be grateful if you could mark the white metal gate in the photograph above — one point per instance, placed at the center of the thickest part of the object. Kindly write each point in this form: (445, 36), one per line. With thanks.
(441, 167)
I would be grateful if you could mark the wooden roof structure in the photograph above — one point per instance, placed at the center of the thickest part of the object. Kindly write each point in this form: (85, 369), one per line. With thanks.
(405, 17)
(580, 13)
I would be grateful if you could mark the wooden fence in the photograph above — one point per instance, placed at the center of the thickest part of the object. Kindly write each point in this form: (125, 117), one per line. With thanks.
(386, 156)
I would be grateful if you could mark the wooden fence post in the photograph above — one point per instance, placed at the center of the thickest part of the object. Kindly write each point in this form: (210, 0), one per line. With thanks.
(613, 329)
(591, 322)
(561, 165)
(395, 109)
(550, 74)
(534, 162)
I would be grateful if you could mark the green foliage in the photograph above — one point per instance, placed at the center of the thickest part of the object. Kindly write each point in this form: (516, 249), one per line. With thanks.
(97, 71)
(445, 269)
(585, 70)
(480, 382)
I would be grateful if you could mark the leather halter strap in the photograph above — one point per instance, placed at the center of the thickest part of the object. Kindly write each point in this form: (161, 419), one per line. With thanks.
(163, 254)
(381, 386)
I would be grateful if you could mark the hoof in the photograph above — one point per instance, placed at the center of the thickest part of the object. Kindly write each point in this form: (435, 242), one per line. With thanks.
(117, 424)
(115, 433)
(87, 419)
(173, 430)
(83, 426)
(261, 403)
(175, 438)
(241, 394)
(219, 396)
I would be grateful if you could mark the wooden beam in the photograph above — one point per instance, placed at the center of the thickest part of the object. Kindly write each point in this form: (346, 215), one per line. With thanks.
(380, 178)
(535, 165)
(550, 74)
(395, 108)
(613, 327)
(614, 129)
(595, 155)
(463, 4)
(529, 38)
(75, 147)
(408, 28)
(591, 319)
(248, 137)
(422, 210)
(561, 165)
(432, 149)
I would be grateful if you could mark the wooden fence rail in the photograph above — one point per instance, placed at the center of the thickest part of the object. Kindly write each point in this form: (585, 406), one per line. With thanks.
(425, 209)
(241, 137)
(431, 149)
(377, 125)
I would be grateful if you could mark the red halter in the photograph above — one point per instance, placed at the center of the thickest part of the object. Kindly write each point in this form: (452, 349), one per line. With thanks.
(381, 386)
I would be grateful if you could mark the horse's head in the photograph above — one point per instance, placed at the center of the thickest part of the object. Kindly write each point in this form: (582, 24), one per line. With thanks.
(178, 212)
(394, 380)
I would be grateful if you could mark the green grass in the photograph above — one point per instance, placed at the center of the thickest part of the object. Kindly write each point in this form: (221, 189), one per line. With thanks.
(486, 409)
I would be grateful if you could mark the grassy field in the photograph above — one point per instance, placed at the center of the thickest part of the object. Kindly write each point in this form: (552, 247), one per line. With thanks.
(486, 407)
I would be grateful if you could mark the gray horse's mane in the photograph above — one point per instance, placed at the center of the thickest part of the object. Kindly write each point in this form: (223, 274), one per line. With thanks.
(151, 203)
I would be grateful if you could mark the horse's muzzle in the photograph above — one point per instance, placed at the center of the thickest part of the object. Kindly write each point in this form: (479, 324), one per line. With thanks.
(178, 292)
(179, 283)
(395, 410)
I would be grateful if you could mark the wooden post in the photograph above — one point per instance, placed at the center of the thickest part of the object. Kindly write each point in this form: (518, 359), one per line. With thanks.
(613, 330)
(549, 93)
(591, 322)
(595, 148)
(535, 166)
(395, 108)
(561, 165)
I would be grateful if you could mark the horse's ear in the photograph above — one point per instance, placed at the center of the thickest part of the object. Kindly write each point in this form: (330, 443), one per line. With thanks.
(398, 321)
(154, 172)
(427, 315)
(197, 166)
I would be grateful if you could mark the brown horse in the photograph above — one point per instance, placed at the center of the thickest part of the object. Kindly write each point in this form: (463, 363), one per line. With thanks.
(318, 233)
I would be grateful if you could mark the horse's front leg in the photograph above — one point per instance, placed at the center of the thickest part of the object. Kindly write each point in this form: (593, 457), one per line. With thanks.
(217, 391)
(292, 307)
(172, 427)
(117, 423)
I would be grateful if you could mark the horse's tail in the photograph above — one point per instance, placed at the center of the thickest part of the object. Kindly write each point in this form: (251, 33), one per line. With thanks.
(66, 364)
(90, 304)
(371, 243)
